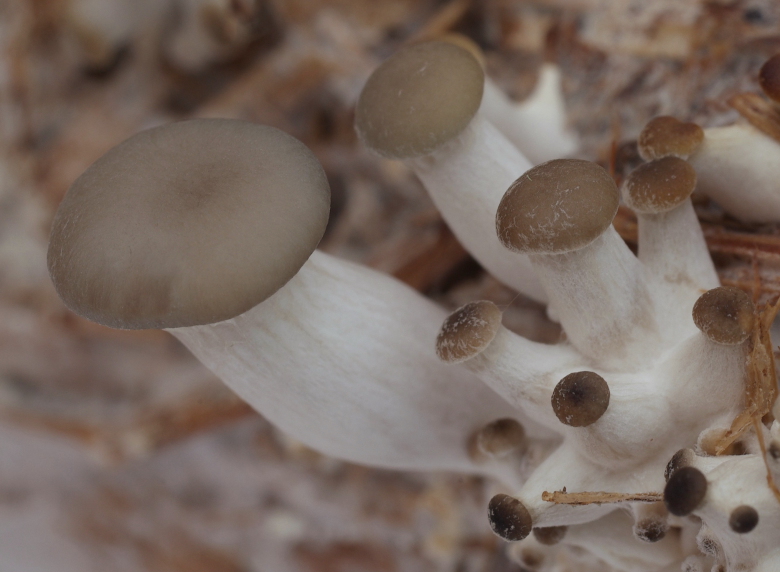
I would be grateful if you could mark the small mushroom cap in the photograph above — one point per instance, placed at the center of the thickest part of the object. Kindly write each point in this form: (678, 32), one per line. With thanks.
(509, 518)
(557, 207)
(651, 529)
(501, 437)
(743, 519)
(682, 458)
(580, 398)
(725, 315)
(665, 135)
(189, 223)
(468, 331)
(685, 491)
(422, 97)
(769, 78)
(660, 185)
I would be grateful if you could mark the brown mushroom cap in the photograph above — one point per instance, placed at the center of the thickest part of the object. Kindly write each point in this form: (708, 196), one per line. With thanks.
(769, 78)
(509, 518)
(468, 331)
(743, 519)
(726, 315)
(422, 97)
(580, 398)
(556, 207)
(189, 223)
(685, 491)
(550, 535)
(660, 185)
(665, 135)
(501, 437)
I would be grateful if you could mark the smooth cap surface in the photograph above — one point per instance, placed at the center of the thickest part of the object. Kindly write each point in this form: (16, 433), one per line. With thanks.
(660, 185)
(743, 519)
(509, 518)
(769, 78)
(468, 331)
(189, 223)
(580, 398)
(422, 97)
(726, 315)
(665, 136)
(685, 491)
(557, 207)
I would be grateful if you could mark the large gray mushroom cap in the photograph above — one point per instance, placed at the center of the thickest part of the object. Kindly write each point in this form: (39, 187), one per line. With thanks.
(189, 223)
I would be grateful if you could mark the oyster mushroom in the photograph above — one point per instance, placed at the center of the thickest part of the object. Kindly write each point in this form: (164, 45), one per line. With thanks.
(207, 228)
(421, 106)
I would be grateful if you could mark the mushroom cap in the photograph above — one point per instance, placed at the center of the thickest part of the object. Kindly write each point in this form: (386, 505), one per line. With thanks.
(501, 437)
(580, 398)
(509, 518)
(422, 97)
(189, 223)
(660, 185)
(743, 519)
(558, 206)
(685, 491)
(468, 331)
(550, 535)
(665, 135)
(769, 78)
(726, 315)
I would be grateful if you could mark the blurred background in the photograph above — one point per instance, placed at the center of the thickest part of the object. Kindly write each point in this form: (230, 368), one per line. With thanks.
(118, 451)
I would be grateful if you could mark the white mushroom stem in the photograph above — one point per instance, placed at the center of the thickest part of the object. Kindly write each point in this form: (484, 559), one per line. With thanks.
(466, 180)
(341, 359)
(739, 167)
(537, 125)
(601, 296)
(678, 265)
(525, 373)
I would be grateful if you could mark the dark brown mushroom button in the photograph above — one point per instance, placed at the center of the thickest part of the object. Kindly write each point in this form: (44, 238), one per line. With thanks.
(580, 398)
(468, 331)
(743, 519)
(726, 315)
(685, 491)
(189, 223)
(509, 518)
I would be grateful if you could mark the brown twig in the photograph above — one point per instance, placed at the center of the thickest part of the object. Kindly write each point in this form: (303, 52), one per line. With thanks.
(562, 497)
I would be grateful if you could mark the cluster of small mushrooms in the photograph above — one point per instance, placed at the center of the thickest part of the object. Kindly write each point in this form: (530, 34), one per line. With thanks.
(644, 441)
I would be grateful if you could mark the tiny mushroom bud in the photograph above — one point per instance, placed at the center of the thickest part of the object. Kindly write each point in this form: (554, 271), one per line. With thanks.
(550, 535)
(769, 78)
(501, 438)
(665, 136)
(651, 530)
(685, 491)
(468, 331)
(422, 106)
(743, 519)
(725, 315)
(580, 399)
(561, 213)
(509, 518)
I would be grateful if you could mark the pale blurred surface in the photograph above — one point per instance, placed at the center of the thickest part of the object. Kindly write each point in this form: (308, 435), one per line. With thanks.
(117, 450)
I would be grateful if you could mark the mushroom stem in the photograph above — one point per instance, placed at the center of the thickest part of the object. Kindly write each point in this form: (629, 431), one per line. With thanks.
(339, 358)
(602, 299)
(537, 125)
(466, 180)
(738, 166)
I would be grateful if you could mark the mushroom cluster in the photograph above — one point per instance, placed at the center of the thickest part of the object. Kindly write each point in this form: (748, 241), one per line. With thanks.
(208, 228)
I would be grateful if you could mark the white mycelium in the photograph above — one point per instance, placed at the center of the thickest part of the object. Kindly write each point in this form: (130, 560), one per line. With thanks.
(605, 444)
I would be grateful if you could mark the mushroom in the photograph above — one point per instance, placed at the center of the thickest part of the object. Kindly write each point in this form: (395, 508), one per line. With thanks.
(207, 228)
(421, 106)
(560, 213)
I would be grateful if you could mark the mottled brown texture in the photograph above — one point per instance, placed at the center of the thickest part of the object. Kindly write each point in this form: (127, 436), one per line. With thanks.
(501, 438)
(422, 97)
(769, 78)
(509, 518)
(743, 519)
(660, 185)
(468, 331)
(668, 136)
(550, 535)
(188, 223)
(580, 398)
(558, 206)
(650, 529)
(725, 315)
(685, 491)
